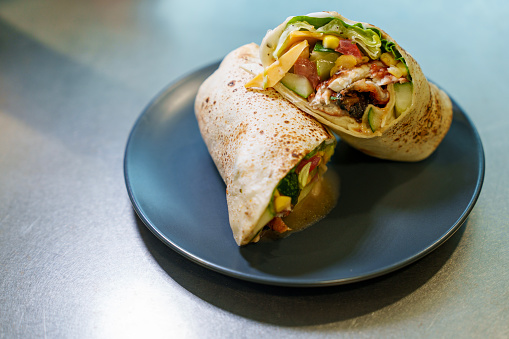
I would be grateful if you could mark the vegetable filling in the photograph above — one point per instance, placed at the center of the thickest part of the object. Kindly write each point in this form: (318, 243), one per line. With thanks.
(341, 69)
(294, 187)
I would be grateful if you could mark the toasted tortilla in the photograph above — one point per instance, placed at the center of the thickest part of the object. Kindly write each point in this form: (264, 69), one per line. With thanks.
(255, 137)
(412, 136)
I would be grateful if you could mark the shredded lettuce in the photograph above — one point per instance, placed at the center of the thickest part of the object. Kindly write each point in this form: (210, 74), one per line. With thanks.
(390, 47)
(368, 40)
(284, 38)
(316, 22)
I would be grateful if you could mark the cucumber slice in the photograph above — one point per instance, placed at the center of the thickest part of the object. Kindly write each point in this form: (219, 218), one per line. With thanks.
(329, 56)
(375, 118)
(324, 62)
(323, 68)
(298, 83)
(403, 93)
(264, 220)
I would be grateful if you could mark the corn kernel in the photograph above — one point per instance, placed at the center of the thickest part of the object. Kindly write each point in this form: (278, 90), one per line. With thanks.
(364, 59)
(344, 62)
(402, 67)
(388, 59)
(398, 73)
(331, 41)
(282, 203)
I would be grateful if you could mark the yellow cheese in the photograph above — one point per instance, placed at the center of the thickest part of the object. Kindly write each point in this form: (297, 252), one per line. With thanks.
(297, 36)
(277, 70)
(282, 203)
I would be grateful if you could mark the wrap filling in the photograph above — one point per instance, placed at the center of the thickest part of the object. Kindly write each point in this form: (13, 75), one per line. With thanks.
(341, 70)
(293, 188)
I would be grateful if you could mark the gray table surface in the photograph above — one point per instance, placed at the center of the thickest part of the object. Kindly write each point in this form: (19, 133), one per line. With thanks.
(75, 261)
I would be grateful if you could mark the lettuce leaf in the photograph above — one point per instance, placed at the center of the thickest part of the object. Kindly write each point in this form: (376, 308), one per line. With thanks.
(367, 39)
(390, 47)
(316, 22)
(290, 27)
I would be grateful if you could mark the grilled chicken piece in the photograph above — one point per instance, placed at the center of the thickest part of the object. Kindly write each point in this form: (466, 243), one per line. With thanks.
(353, 90)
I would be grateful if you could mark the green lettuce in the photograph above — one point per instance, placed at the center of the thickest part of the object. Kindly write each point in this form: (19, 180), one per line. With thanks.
(315, 22)
(367, 39)
(390, 47)
(284, 38)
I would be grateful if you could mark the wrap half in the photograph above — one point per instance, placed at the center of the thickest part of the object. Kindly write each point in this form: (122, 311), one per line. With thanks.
(268, 152)
(354, 78)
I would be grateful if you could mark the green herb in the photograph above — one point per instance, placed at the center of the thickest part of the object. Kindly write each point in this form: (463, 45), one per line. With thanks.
(334, 98)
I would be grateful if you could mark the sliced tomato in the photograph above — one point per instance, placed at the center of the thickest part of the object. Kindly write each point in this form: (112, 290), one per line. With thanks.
(278, 225)
(348, 47)
(315, 161)
(307, 68)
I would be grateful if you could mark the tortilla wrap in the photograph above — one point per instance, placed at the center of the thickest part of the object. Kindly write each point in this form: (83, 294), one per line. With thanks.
(410, 135)
(255, 138)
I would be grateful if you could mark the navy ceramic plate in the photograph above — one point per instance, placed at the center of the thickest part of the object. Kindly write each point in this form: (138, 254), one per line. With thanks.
(388, 215)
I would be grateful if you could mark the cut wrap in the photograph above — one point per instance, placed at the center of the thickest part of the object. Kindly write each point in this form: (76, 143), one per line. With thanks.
(268, 152)
(354, 78)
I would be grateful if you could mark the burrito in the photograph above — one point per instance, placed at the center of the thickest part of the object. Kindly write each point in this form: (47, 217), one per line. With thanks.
(269, 153)
(354, 78)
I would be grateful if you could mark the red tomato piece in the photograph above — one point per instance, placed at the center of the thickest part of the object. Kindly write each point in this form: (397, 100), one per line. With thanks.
(307, 68)
(378, 71)
(315, 161)
(278, 225)
(348, 47)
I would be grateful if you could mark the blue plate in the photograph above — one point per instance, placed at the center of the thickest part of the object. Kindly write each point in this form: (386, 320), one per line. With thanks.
(388, 215)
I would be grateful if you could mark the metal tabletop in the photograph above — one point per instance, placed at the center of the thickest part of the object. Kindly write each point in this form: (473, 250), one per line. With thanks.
(75, 260)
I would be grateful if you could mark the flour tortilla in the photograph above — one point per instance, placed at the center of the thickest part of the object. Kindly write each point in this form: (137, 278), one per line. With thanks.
(255, 137)
(413, 136)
